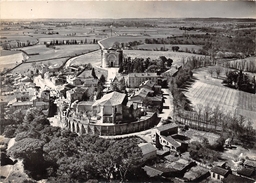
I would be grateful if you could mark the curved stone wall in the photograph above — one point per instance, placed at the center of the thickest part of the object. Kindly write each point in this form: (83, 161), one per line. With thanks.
(110, 129)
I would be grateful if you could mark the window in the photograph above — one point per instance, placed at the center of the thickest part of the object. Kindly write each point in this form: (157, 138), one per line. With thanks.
(213, 175)
(218, 176)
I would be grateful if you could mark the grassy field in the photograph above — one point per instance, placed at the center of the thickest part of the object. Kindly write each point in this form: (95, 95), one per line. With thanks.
(94, 58)
(107, 43)
(59, 51)
(208, 90)
(27, 67)
(10, 60)
(168, 46)
(175, 56)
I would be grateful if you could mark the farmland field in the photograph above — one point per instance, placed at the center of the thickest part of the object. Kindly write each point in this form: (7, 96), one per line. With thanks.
(10, 59)
(107, 43)
(59, 51)
(24, 67)
(210, 91)
(94, 58)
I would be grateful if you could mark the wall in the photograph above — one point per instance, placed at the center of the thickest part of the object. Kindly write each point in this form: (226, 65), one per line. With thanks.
(118, 129)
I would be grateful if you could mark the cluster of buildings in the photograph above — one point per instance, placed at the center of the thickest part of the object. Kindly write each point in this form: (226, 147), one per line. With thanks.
(170, 145)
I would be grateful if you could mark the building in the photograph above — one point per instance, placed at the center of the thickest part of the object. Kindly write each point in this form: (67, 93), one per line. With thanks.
(75, 94)
(196, 174)
(219, 173)
(148, 151)
(236, 179)
(90, 82)
(134, 80)
(151, 85)
(110, 107)
(167, 137)
(74, 80)
(247, 172)
(111, 57)
(250, 164)
(57, 80)
(84, 106)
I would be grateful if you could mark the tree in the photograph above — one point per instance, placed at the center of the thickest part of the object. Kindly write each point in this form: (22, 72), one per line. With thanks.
(93, 74)
(169, 62)
(175, 48)
(31, 151)
(210, 71)
(102, 79)
(126, 155)
(218, 70)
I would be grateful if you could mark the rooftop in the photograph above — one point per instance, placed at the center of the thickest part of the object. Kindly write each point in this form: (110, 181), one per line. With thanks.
(195, 172)
(113, 98)
(219, 170)
(171, 141)
(167, 127)
(246, 172)
(143, 75)
(250, 163)
(236, 179)
(147, 148)
(148, 83)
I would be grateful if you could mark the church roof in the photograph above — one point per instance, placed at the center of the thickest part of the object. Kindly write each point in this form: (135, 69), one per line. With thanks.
(113, 99)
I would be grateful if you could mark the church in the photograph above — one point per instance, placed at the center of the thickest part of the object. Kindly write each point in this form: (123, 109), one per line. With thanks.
(111, 57)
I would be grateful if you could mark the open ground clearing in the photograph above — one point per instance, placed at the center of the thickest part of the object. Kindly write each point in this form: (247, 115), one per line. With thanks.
(208, 90)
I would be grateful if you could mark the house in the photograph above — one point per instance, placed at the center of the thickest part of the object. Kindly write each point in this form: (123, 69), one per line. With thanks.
(167, 137)
(219, 173)
(110, 107)
(146, 96)
(149, 84)
(148, 151)
(90, 82)
(247, 172)
(196, 174)
(74, 80)
(237, 179)
(57, 80)
(84, 106)
(250, 164)
(76, 93)
(133, 80)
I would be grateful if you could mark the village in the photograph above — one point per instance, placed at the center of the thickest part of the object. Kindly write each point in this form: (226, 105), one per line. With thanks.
(86, 100)
(127, 91)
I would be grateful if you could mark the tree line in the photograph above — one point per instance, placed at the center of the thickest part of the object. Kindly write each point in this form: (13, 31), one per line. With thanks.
(140, 65)
(70, 42)
(214, 119)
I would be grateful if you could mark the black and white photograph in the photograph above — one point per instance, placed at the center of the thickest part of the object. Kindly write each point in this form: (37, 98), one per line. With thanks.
(127, 91)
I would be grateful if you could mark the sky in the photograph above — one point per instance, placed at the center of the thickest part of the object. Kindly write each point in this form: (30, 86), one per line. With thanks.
(125, 9)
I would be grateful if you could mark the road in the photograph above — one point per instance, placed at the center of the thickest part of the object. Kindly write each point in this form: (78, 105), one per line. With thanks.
(168, 104)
